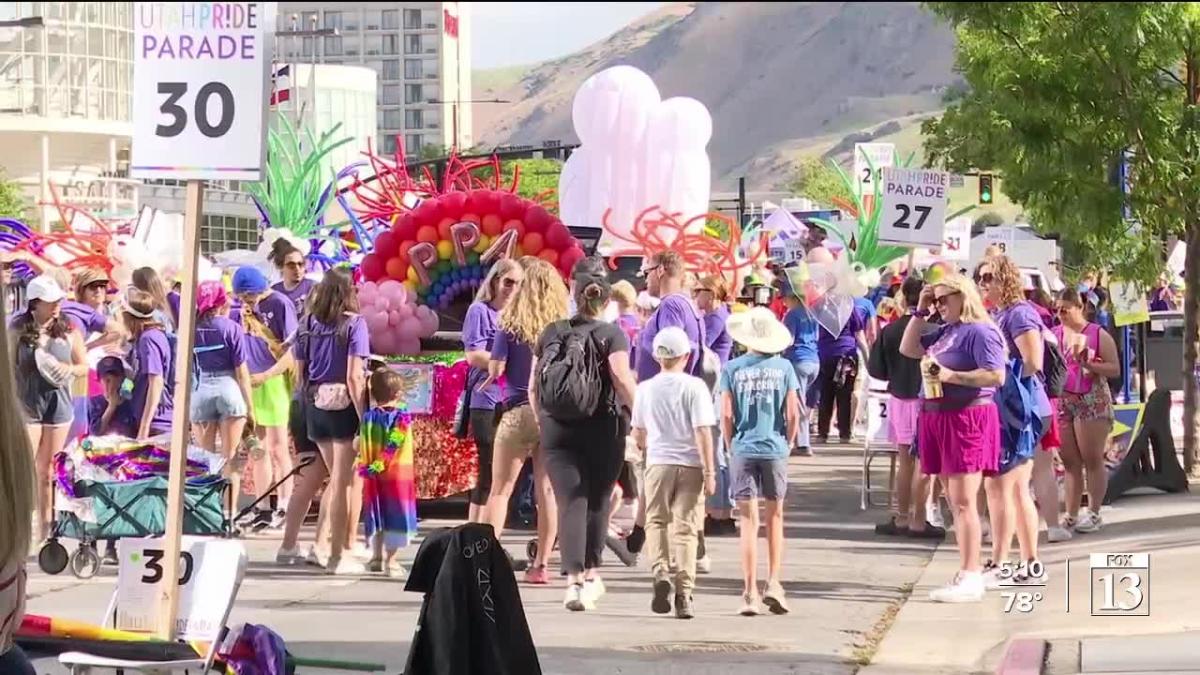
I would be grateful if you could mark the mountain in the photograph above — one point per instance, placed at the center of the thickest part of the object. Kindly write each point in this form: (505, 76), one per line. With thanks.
(780, 79)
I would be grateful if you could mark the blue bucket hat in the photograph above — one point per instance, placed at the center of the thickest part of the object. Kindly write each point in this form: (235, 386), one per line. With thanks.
(249, 280)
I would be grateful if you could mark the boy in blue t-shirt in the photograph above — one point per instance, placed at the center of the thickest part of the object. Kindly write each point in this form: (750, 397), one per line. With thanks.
(111, 412)
(760, 417)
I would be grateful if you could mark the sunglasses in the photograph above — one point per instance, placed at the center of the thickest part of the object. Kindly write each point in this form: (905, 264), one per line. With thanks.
(940, 300)
(985, 278)
(1064, 309)
(96, 286)
(294, 264)
(509, 282)
(646, 272)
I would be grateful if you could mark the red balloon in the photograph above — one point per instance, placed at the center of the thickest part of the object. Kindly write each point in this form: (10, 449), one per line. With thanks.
(518, 226)
(397, 269)
(405, 227)
(386, 244)
(487, 201)
(428, 233)
(538, 219)
(512, 207)
(453, 204)
(493, 222)
(402, 249)
(569, 257)
(557, 236)
(373, 267)
(532, 244)
(428, 213)
(495, 229)
(443, 228)
(470, 218)
(549, 255)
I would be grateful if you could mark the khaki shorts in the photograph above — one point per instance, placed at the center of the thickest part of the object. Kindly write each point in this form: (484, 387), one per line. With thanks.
(517, 431)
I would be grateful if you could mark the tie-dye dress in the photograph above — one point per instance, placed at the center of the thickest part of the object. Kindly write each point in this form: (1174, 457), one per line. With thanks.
(385, 462)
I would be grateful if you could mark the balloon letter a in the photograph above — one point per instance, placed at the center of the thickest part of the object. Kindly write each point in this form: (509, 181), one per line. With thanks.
(422, 257)
(464, 235)
(501, 248)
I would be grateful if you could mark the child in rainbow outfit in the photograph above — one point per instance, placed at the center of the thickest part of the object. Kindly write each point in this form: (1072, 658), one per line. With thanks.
(385, 462)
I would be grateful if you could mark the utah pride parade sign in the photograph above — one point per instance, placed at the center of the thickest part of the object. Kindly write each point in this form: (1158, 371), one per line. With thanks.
(199, 89)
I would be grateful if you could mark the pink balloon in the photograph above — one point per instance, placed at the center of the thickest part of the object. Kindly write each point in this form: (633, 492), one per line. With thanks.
(377, 324)
(465, 235)
(394, 317)
(422, 257)
(384, 342)
(429, 321)
(410, 326)
(388, 288)
(381, 303)
(408, 345)
(404, 311)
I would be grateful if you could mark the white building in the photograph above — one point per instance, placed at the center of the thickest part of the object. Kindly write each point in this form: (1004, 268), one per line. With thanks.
(421, 51)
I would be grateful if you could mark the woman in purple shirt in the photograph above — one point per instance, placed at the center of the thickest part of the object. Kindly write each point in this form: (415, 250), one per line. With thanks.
(290, 262)
(712, 297)
(958, 434)
(540, 301)
(839, 374)
(478, 334)
(221, 401)
(153, 364)
(331, 349)
(146, 279)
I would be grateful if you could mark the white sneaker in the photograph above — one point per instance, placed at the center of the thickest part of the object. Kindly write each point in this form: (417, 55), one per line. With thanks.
(574, 599)
(289, 556)
(1089, 521)
(966, 587)
(933, 515)
(992, 578)
(345, 568)
(395, 570)
(593, 590)
(704, 565)
(315, 557)
(1056, 534)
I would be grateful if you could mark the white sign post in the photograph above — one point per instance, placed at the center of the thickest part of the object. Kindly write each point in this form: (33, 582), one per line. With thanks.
(881, 156)
(956, 241)
(200, 110)
(913, 207)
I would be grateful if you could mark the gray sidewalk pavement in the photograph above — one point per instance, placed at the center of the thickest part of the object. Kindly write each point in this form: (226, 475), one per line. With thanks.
(974, 638)
(843, 583)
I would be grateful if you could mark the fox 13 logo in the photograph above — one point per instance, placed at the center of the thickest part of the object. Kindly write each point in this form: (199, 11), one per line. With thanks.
(1120, 584)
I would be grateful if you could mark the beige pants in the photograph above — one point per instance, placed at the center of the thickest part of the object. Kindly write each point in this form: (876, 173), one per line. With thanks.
(674, 513)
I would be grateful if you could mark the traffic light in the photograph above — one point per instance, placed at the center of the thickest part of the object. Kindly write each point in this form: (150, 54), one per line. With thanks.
(985, 188)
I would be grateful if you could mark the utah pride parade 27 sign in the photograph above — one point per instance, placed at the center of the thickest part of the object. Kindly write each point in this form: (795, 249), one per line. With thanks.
(199, 89)
(914, 207)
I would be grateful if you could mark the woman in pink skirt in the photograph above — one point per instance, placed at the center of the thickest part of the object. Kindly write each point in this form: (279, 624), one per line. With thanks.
(958, 436)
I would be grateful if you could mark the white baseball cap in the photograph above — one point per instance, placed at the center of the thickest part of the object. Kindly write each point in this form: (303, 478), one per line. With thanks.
(44, 288)
(671, 343)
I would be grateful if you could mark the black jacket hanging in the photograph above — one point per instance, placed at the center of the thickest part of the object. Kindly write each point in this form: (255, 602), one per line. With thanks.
(472, 621)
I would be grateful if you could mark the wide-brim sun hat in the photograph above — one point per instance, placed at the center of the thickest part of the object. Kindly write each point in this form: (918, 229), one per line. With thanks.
(758, 330)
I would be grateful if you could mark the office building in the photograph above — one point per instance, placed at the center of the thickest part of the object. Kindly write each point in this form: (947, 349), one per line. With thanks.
(421, 51)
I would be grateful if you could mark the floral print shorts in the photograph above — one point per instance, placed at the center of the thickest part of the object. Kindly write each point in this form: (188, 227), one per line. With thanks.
(1094, 405)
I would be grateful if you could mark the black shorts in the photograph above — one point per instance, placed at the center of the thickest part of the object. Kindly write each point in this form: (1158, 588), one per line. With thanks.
(49, 407)
(483, 430)
(331, 425)
(298, 428)
(627, 481)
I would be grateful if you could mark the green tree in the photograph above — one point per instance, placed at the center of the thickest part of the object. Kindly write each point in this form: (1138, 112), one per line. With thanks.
(818, 181)
(12, 198)
(538, 178)
(1057, 91)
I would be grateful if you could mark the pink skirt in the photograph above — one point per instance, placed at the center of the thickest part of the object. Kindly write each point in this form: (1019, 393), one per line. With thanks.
(902, 420)
(959, 441)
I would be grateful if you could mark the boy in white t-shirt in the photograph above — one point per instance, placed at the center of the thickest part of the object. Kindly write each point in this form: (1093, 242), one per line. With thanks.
(673, 418)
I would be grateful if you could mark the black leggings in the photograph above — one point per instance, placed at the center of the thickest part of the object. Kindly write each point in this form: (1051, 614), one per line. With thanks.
(832, 392)
(483, 429)
(14, 662)
(583, 461)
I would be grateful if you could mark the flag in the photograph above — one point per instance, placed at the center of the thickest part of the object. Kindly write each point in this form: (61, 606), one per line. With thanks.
(451, 22)
(281, 85)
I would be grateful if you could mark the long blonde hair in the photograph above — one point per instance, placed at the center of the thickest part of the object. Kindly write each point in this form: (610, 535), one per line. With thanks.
(17, 479)
(973, 310)
(541, 300)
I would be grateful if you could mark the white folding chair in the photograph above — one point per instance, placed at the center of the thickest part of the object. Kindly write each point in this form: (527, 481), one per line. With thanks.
(81, 662)
(876, 444)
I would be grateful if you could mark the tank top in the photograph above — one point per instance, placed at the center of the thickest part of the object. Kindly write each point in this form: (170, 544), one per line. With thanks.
(1078, 379)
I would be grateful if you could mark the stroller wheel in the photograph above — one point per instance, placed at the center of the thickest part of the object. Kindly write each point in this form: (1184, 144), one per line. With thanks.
(52, 558)
(531, 550)
(85, 562)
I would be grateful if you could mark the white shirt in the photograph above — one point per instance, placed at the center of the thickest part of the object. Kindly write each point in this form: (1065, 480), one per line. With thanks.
(670, 407)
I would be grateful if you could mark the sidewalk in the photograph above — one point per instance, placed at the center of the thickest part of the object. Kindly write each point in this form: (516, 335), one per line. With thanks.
(972, 638)
(841, 581)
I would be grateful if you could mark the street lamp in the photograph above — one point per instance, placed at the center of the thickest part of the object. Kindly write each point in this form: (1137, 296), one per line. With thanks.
(454, 110)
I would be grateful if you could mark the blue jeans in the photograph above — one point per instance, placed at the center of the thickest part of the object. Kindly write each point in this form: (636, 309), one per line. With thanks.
(806, 373)
(217, 397)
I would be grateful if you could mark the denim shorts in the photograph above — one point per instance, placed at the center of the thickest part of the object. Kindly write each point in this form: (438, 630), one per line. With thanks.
(758, 477)
(217, 397)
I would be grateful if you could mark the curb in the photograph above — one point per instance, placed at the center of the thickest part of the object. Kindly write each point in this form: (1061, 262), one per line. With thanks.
(1022, 656)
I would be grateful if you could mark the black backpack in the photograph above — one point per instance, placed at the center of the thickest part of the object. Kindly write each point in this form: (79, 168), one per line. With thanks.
(570, 378)
(1054, 369)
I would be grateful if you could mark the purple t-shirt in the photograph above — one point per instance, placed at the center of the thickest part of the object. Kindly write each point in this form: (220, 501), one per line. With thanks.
(715, 335)
(123, 423)
(220, 345)
(152, 356)
(1014, 321)
(478, 335)
(845, 343)
(297, 295)
(325, 351)
(674, 310)
(518, 358)
(173, 303)
(87, 319)
(279, 315)
(965, 347)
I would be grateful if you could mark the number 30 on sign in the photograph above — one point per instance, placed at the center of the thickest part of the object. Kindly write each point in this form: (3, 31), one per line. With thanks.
(199, 92)
(913, 207)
